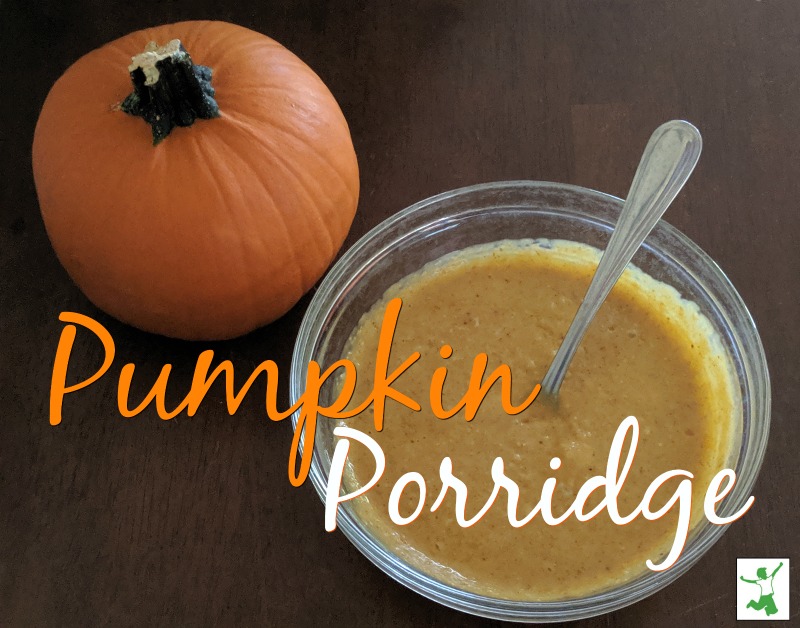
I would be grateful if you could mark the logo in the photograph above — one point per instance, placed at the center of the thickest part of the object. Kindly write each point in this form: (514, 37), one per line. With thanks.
(762, 588)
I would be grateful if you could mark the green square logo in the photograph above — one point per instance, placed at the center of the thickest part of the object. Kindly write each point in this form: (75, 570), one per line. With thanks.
(762, 589)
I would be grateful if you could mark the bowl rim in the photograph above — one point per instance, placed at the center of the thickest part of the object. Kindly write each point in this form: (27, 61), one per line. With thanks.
(497, 608)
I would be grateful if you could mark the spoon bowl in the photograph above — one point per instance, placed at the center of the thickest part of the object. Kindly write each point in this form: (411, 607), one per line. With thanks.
(667, 162)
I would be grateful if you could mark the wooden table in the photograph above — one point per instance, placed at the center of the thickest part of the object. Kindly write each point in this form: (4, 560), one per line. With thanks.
(140, 522)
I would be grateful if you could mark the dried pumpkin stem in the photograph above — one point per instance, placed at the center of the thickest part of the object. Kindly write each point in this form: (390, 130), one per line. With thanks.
(169, 90)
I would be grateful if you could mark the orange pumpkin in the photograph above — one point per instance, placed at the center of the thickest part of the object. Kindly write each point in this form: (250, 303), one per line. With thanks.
(212, 228)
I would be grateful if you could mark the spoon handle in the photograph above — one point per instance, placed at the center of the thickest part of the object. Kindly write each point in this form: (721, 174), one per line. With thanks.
(667, 161)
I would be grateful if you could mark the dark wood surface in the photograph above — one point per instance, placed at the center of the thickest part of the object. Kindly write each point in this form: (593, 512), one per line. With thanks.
(140, 522)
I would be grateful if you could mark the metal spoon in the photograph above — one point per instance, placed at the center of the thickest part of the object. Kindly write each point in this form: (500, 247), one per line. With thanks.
(667, 161)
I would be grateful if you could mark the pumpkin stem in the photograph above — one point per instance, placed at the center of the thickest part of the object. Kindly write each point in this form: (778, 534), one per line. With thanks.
(168, 89)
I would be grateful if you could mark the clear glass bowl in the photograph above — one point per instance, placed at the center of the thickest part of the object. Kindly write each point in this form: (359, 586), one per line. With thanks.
(512, 210)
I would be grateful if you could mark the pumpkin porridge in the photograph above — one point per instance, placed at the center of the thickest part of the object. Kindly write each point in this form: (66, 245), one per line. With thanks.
(648, 353)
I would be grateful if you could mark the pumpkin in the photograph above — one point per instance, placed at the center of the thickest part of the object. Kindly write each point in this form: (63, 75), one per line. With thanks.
(195, 189)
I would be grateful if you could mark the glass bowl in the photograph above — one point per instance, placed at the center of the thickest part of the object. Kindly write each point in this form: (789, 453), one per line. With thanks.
(514, 210)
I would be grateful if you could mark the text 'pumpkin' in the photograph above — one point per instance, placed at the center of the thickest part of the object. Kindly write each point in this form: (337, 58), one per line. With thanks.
(203, 232)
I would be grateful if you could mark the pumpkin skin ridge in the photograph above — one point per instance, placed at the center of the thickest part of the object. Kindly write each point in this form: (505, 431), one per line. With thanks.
(321, 158)
(283, 64)
(241, 292)
(330, 248)
(239, 114)
(280, 218)
(247, 122)
(304, 281)
(291, 61)
(139, 231)
(246, 292)
(291, 267)
(319, 219)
